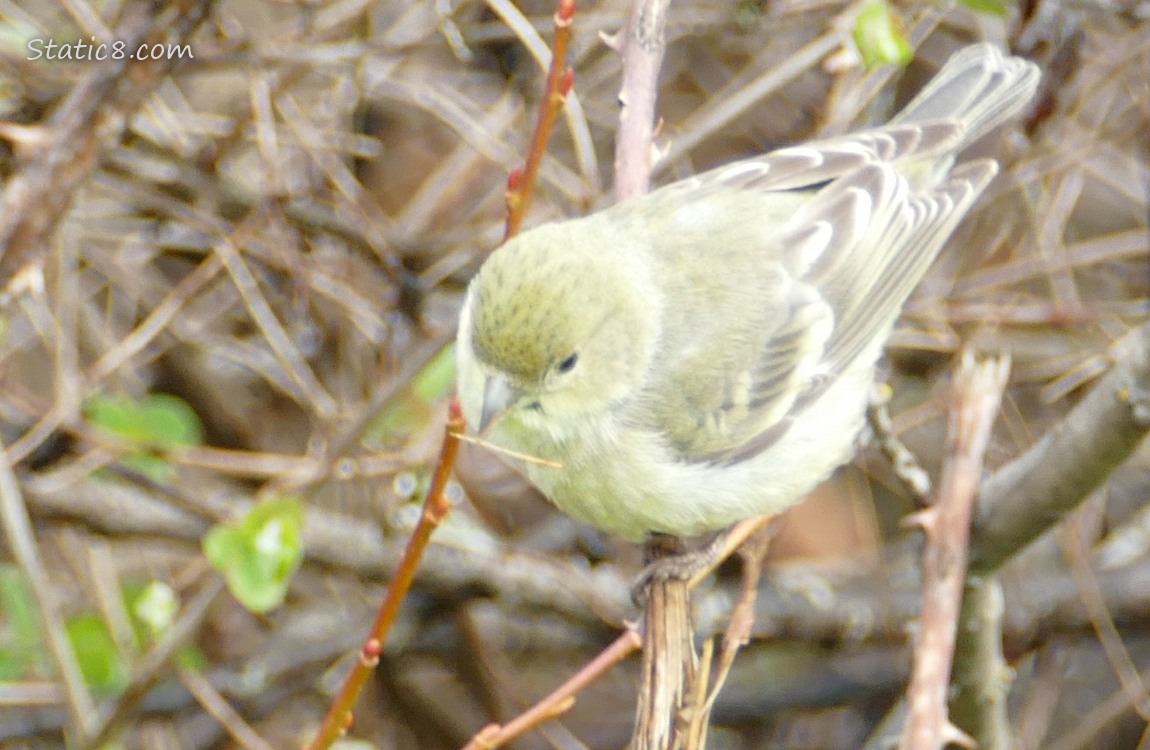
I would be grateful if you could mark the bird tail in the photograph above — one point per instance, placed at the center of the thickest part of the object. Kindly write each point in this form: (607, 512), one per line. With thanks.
(979, 86)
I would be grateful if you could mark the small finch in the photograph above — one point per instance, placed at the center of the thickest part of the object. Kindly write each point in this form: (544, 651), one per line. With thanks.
(703, 354)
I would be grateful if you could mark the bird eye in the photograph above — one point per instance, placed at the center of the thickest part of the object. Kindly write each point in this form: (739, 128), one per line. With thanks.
(568, 364)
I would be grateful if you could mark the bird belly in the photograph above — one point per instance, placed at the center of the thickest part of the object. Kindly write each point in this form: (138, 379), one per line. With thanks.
(627, 481)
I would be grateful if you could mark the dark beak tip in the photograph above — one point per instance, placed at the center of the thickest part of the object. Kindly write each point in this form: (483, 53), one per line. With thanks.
(498, 396)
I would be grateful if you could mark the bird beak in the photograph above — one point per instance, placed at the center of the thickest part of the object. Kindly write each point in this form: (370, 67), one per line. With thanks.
(498, 396)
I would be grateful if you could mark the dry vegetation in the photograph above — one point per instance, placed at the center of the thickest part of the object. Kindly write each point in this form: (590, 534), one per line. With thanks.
(278, 231)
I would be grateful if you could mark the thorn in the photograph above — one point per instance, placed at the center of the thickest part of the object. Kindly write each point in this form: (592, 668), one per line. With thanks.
(658, 153)
(610, 40)
(926, 519)
(952, 734)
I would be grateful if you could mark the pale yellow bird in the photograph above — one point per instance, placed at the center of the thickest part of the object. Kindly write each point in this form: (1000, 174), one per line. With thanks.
(704, 353)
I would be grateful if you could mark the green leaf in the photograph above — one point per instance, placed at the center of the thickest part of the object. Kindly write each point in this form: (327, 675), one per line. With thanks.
(100, 661)
(258, 555)
(878, 36)
(155, 423)
(158, 421)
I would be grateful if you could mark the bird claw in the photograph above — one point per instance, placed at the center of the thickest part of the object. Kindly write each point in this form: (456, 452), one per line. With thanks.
(672, 562)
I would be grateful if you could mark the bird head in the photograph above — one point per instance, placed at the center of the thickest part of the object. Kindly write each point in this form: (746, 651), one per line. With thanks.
(553, 329)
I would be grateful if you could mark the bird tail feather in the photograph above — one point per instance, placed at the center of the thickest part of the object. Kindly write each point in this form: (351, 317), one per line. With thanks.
(979, 86)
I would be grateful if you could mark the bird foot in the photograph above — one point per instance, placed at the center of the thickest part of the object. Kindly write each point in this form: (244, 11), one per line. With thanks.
(669, 559)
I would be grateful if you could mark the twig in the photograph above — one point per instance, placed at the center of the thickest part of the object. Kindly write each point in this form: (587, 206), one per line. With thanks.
(669, 664)
(159, 316)
(1077, 555)
(735, 99)
(641, 46)
(148, 670)
(374, 224)
(309, 389)
(1086, 731)
(520, 187)
(978, 394)
(904, 462)
(22, 541)
(561, 699)
(435, 509)
(347, 435)
(152, 326)
(1050, 676)
(736, 636)
(695, 716)
(577, 125)
(731, 541)
(521, 182)
(215, 704)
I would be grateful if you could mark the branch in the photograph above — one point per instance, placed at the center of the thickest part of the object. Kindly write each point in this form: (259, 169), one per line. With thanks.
(1035, 491)
(981, 675)
(978, 394)
(641, 48)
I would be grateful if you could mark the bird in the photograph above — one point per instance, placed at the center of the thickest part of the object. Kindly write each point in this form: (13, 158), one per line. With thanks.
(704, 353)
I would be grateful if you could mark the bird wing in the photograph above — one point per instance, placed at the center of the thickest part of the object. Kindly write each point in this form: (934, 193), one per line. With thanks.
(830, 281)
